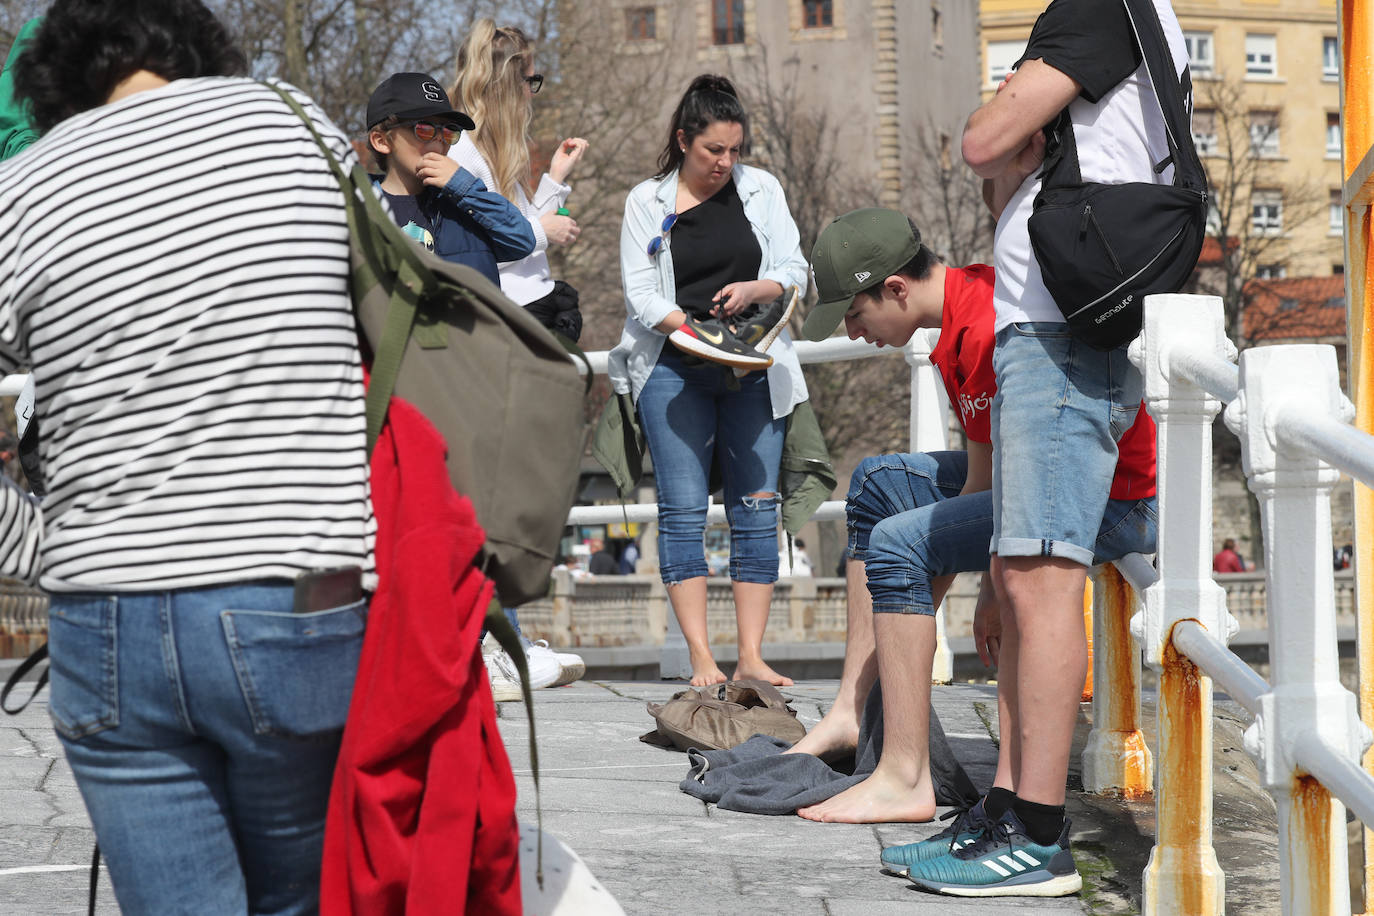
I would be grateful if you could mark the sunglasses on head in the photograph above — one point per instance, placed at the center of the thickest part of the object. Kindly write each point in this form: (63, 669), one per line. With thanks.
(426, 131)
(536, 82)
(656, 243)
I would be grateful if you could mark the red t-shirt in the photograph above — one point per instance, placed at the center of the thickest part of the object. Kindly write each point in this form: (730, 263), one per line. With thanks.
(963, 356)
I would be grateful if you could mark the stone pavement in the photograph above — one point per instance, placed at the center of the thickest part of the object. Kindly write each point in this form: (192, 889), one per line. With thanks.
(616, 801)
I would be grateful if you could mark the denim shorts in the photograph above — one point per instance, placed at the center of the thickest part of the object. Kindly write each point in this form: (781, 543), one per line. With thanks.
(1060, 408)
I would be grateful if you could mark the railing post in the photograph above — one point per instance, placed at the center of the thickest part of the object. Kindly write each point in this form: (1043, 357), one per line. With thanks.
(1183, 875)
(929, 421)
(563, 599)
(1116, 759)
(1307, 701)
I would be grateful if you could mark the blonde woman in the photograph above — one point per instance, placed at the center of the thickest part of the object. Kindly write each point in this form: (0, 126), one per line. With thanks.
(495, 84)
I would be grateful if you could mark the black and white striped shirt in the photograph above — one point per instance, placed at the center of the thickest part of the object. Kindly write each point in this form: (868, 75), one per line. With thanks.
(173, 268)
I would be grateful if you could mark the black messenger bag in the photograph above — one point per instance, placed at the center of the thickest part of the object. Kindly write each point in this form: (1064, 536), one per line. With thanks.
(1102, 248)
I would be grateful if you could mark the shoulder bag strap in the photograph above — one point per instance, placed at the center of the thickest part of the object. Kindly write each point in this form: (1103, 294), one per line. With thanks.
(1172, 93)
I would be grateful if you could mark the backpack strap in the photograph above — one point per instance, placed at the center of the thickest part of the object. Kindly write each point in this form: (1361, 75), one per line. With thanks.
(18, 674)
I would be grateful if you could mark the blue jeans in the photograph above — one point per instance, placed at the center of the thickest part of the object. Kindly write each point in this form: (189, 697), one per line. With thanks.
(203, 726)
(1060, 408)
(691, 413)
(909, 525)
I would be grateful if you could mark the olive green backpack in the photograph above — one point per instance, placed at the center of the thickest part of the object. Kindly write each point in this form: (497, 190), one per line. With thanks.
(502, 391)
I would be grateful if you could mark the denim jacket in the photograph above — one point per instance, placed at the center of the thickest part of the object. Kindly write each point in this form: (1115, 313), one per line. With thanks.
(472, 225)
(650, 289)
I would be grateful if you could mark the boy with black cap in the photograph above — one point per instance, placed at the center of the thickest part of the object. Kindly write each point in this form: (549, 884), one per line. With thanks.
(916, 519)
(410, 126)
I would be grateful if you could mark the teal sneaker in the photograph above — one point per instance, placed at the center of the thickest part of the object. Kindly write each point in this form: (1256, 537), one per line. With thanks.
(969, 823)
(1002, 862)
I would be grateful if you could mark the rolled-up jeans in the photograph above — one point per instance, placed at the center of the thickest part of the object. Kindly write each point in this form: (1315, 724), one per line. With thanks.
(909, 525)
(692, 411)
(203, 726)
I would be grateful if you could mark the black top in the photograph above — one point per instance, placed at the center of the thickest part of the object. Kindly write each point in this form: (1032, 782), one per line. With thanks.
(1090, 41)
(712, 245)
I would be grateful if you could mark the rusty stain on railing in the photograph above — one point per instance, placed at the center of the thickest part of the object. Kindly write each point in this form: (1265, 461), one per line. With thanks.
(1309, 838)
(1119, 759)
(1088, 629)
(1185, 784)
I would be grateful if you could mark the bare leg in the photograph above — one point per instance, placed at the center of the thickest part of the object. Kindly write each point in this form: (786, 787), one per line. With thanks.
(838, 730)
(1008, 740)
(752, 601)
(689, 604)
(1050, 651)
(899, 789)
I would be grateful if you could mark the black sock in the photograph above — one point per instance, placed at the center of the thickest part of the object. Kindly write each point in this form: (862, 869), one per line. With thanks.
(1043, 822)
(998, 802)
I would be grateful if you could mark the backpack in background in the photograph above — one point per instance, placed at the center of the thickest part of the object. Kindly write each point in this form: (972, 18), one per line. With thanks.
(500, 388)
(1102, 248)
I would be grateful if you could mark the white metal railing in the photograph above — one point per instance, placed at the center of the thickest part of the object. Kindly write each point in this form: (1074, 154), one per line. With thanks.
(929, 414)
(1286, 405)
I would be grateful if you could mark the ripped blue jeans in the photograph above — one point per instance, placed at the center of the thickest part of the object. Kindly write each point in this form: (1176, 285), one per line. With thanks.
(691, 412)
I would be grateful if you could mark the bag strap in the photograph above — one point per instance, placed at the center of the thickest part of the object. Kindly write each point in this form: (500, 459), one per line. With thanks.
(1061, 168)
(18, 674)
(1173, 93)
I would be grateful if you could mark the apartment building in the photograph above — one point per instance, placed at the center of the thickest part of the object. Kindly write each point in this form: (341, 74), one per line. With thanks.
(1266, 117)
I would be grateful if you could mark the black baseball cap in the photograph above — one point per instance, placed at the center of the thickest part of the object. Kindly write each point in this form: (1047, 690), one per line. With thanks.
(412, 97)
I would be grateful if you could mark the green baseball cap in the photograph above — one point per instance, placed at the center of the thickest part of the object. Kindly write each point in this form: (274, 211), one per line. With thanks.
(854, 252)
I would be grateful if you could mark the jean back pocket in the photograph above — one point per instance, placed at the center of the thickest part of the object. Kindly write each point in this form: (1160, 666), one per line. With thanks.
(296, 671)
(83, 655)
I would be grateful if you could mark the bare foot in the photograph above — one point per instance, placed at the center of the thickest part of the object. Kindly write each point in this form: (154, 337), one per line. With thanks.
(879, 799)
(836, 734)
(707, 675)
(759, 671)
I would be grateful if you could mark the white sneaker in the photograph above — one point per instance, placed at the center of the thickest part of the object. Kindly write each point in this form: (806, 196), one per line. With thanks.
(570, 666)
(505, 685)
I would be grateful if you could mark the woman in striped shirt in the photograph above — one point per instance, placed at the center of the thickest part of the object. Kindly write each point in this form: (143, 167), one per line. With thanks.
(173, 272)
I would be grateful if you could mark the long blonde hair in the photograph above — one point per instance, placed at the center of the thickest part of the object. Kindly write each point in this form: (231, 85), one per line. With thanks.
(489, 86)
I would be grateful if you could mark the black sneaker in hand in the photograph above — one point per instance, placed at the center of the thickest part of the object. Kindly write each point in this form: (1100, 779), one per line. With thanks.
(711, 340)
(760, 331)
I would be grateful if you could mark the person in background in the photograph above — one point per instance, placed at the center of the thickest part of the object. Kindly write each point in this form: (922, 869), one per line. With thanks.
(494, 82)
(190, 512)
(629, 558)
(1227, 559)
(436, 202)
(706, 240)
(799, 563)
(602, 562)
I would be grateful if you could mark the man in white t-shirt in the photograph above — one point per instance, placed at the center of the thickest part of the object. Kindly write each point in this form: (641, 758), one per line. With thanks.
(1059, 409)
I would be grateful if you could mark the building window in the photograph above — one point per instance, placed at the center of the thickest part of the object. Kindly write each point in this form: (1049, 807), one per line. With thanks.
(1287, 303)
(1336, 214)
(1331, 59)
(1337, 270)
(1333, 135)
(1213, 217)
(1264, 134)
(727, 22)
(1270, 272)
(1266, 212)
(1200, 60)
(1334, 302)
(817, 14)
(1261, 56)
(1001, 56)
(1205, 131)
(641, 23)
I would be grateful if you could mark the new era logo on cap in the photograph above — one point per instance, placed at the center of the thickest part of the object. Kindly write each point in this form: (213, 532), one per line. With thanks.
(863, 275)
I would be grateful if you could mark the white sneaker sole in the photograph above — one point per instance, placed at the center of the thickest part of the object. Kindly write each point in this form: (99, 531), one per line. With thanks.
(571, 671)
(1061, 886)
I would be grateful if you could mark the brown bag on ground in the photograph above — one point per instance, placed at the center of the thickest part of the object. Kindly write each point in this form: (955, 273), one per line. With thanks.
(722, 716)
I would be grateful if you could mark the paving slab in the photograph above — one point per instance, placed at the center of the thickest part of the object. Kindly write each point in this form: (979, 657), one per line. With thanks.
(616, 801)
